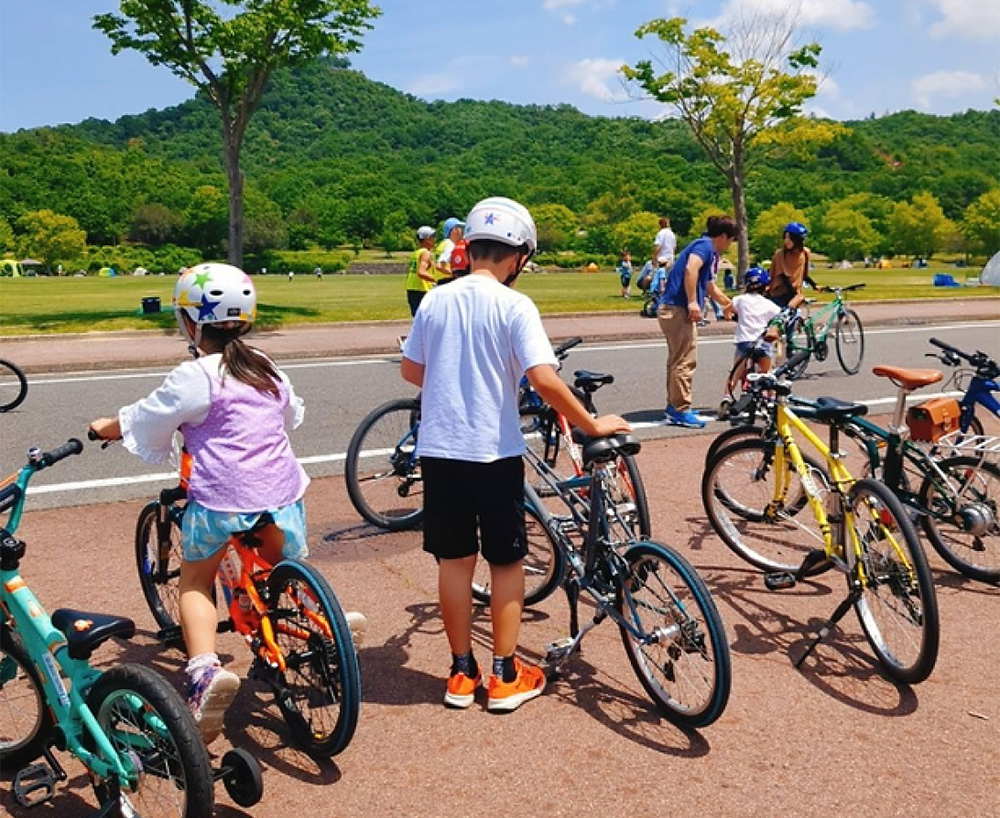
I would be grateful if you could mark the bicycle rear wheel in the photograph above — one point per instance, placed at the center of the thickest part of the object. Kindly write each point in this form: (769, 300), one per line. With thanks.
(382, 469)
(962, 516)
(759, 510)
(25, 720)
(682, 656)
(544, 566)
(319, 692)
(897, 607)
(849, 336)
(13, 386)
(152, 730)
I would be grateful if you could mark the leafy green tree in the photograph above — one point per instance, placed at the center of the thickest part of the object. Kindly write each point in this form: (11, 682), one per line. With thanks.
(769, 227)
(205, 219)
(846, 233)
(637, 233)
(981, 222)
(735, 93)
(51, 237)
(556, 225)
(154, 224)
(919, 228)
(230, 56)
(7, 245)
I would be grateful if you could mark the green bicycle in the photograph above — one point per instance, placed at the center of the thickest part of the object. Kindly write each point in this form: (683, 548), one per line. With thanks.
(812, 332)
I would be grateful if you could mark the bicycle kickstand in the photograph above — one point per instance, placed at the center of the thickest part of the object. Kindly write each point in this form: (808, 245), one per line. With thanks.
(559, 651)
(853, 595)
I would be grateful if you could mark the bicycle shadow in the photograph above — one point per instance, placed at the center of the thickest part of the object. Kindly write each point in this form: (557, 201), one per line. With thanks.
(841, 665)
(954, 581)
(356, 542)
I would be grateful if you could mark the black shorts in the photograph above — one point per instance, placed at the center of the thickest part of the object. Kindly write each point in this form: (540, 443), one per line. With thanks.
(471, 507)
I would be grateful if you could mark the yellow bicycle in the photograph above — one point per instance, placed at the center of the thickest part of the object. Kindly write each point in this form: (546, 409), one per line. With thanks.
(793, 517)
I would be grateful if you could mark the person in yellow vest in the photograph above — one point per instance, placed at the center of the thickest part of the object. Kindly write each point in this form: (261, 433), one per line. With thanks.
(420, 275)
(452, 235)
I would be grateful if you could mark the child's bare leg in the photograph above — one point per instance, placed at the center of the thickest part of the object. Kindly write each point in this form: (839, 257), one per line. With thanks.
(199, 617)
(506, 606)
(764, 364)
(455, 594)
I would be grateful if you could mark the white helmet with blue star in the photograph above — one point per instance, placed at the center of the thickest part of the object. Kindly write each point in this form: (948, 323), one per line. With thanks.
(213, 293)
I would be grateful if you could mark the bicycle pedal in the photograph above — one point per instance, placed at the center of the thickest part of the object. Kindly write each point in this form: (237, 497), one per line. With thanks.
(556, 651)
(34, 785)
(779, 581)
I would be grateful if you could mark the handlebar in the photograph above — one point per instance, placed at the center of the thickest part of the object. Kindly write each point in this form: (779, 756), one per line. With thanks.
(70, 447)
(791, 363)
(985, 366)
(564, 348)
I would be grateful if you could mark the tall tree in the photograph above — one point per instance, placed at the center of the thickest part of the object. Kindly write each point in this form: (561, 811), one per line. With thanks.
(741, 95)
(52, 237)
(229, 49)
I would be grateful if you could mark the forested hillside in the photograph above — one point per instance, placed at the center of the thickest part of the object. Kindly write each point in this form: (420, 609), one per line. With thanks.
(332, 158)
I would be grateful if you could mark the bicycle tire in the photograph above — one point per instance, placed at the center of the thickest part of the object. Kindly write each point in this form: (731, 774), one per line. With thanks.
(849, 338)
(18, 389)
(25, 721)
(737, 492)
(160, 588)
(802, 337)
(964, 529)
(635, 491)
(897, 609)
(544, 567)
(147, 722)
(689, 674)
(382, 470)
(731, 435)
(319, 693)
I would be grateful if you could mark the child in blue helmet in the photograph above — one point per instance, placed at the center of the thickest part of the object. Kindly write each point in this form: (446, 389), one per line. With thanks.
(754, 314)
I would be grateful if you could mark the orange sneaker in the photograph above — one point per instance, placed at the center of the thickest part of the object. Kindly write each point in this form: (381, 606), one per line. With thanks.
(507, 696)
(461, 690)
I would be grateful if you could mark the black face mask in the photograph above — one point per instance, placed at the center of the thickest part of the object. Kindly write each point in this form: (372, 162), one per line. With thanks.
(523, 259)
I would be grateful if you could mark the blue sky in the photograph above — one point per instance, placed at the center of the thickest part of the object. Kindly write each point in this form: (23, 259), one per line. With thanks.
(879, 56)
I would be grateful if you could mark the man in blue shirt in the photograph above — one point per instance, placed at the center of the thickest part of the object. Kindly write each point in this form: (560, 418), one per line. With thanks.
(679, 311)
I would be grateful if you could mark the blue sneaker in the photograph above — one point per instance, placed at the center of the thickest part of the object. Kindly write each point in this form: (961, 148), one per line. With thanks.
(686, 418)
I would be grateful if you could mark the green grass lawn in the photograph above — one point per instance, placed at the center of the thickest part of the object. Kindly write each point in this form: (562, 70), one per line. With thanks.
(52, 305)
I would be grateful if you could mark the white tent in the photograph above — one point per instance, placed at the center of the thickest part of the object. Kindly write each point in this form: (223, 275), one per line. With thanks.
(990, 276)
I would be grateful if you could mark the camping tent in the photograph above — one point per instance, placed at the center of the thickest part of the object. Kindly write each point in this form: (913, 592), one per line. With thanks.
(9, 267)
(990, 276)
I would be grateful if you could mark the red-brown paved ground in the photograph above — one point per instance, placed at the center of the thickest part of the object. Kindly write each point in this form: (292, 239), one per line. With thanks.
(835, 738)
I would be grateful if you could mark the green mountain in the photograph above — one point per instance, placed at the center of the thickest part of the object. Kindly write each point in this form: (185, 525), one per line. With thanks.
(332, 156)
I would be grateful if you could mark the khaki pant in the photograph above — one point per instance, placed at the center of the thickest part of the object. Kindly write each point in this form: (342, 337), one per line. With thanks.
(682, 354)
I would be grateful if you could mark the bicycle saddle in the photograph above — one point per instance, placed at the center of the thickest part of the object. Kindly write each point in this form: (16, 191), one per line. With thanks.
(604, 449)
(591, 381)
(908, 379)
(85, 631)
(828, 409)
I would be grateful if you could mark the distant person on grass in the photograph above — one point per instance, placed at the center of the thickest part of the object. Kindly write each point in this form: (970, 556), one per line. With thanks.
(470, 344)
(664, 245)
(691, 278)
(420, 276)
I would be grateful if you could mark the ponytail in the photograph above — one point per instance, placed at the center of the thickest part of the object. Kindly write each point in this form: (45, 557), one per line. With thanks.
(242, 361)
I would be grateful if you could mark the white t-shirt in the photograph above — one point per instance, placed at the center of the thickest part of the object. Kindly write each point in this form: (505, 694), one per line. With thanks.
(475, 338)
(666, 246)
(444, 257)
(753, 313)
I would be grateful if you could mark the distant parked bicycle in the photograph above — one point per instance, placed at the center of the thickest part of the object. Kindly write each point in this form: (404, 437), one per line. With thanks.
(812, 332)
(13, 386)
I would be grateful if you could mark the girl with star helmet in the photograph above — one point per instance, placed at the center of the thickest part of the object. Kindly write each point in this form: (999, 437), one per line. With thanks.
(213, 293)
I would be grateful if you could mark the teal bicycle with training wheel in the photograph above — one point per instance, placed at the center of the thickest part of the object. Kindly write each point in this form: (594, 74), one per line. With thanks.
(810, 333)
(127, 725)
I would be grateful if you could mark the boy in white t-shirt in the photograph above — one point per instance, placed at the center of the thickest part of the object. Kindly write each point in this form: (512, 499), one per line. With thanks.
(470, 344)
(754, 313)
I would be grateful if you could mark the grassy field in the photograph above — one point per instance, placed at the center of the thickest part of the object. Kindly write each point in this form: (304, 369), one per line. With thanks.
(54, 305)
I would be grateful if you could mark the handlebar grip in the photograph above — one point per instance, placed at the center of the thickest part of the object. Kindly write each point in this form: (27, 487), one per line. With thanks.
(71, 446)
(791, 363)
(567, 345)
(92, 435)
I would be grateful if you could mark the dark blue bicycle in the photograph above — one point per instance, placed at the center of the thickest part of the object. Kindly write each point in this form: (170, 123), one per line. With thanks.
(979, 389)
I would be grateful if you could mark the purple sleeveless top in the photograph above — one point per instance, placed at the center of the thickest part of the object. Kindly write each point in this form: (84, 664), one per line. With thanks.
(243, 459)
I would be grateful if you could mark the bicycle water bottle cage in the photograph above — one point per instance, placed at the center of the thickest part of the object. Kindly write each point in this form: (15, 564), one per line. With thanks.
(85, 631)
(11, 551)
(831, 409)
(591, 381)
(605, 449)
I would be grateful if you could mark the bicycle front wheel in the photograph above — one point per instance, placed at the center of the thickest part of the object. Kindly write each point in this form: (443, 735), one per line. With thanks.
(962, 515)
(319, 692)
(382, 469)
(159, 565)
(849, 337)
(679, 650)
(25, 721)
(758, 508)
(544, 566)
(154, 733)
(13, 386)
(897, 607)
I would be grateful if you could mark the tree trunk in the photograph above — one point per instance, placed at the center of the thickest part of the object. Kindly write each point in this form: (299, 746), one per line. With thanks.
(232, 143)
(740, 214)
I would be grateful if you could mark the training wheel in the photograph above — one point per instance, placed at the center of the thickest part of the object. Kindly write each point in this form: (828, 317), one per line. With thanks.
(241, 775)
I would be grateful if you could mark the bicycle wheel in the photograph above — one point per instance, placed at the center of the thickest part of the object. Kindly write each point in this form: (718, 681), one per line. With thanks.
(682, 657)
(962, 516)
(151, 728)
(731, 436)
(802, 337)
(319, 692)
(769, 528)
(13, 386)
(897, 607)
(544, 567)
(159, 566)
(25, 721)
(849, 336)
(382, 469)
(627, 493)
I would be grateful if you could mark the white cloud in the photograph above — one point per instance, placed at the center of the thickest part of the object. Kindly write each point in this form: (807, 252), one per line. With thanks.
(563, 9)
(971, 19)
(826, 86)
(840, 15)
(520, 61)
(944, 84)
(599, 78)
(433, 85)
